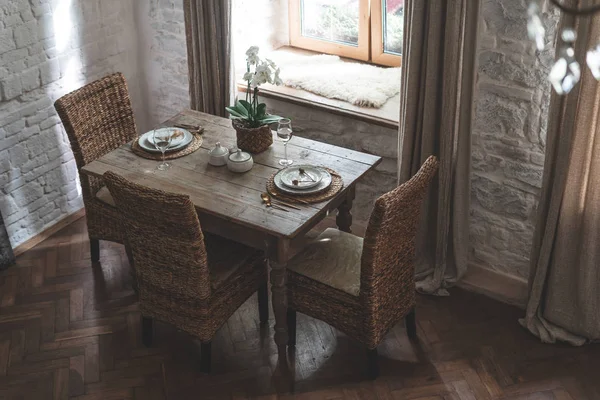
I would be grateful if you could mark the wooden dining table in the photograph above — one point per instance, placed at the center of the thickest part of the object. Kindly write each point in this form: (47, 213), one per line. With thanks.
(229, 204)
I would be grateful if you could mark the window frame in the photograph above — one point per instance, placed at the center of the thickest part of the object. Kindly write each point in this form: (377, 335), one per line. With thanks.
(378, 54)
(370, 35)
(360, 52)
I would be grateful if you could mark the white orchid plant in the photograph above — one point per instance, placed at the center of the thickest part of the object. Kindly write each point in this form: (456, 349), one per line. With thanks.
(258, 72)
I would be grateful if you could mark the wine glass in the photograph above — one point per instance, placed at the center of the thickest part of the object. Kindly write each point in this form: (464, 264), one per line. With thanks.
(284, 133)
(162, 141)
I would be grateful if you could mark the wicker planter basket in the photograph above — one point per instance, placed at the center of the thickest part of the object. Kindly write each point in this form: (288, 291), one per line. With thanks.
(253, 140)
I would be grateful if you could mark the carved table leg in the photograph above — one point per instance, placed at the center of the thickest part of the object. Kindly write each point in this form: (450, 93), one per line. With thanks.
(279, 254)
(279, 299)
(344, 217)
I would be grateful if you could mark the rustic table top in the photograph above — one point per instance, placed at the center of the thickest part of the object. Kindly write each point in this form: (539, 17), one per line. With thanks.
(231, 196)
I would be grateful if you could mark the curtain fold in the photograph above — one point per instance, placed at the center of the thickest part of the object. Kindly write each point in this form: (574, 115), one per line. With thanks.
(208, 34)
(436, 108)
(564, 282)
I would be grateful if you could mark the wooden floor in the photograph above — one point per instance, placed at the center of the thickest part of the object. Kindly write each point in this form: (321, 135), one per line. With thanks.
(68, 329)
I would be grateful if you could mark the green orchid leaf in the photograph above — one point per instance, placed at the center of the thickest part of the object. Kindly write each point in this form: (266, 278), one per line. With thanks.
(269, 119)
(239, 107)
(234, 113)
(246, 105)
(261, 110)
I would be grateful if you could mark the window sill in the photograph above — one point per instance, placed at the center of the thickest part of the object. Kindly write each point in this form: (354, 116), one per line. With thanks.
(386, 116)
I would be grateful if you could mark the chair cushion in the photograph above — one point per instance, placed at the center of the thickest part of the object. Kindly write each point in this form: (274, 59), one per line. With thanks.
(332, 259)
(226, 257)
(104, 196)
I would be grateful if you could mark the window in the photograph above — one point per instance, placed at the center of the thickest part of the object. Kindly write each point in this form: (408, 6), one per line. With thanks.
(367, 30)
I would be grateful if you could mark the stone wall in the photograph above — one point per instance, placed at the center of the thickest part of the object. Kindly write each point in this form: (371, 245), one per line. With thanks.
(509, 137)
(49, 48)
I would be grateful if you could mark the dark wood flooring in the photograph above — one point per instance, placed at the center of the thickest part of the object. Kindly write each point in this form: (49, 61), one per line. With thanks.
(68, 329)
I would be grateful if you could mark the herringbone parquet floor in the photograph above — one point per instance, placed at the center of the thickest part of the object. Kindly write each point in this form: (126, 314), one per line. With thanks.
(68, 330)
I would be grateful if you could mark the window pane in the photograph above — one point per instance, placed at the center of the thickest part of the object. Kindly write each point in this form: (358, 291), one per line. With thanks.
(393, 26)
(331, 20)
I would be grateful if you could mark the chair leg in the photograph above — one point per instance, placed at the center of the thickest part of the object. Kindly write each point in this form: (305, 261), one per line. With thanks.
(129, 253)
(205, 356)
(95, 250)
(263, 302)
(132, 274)
(147, 331)
(291, 323)
(372, 363)
(411, 324)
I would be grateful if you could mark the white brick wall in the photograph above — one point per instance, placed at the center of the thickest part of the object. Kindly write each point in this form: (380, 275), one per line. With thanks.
(163, 54)
(47, 49)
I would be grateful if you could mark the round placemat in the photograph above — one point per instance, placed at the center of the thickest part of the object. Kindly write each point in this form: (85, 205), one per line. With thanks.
(337, 183)
(194, 145)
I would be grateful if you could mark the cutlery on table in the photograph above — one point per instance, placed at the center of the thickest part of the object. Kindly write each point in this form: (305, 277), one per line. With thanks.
(303, 172)
(188, 127)
(296, 182)
(176, 135)
(265, 197)
(279, 197)
(268, 203)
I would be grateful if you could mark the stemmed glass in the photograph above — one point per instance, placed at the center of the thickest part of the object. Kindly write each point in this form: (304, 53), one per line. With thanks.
(284, 133)
(162, 141)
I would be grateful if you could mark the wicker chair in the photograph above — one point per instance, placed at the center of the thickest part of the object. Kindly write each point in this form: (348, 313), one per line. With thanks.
(185, 278)
(98, 118)
(364, 288)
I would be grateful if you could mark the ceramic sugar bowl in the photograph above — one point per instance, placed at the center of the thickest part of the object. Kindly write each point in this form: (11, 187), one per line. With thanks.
(240, 161)
(218, 155)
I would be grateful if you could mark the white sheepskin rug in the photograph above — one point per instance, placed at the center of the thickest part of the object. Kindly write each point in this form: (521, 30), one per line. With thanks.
(363, 85)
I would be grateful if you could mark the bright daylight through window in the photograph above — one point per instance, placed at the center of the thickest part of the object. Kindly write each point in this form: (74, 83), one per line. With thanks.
(368, 30)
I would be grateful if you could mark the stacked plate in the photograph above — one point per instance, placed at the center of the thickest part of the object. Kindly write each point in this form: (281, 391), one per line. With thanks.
(302, 180)
(180, 138)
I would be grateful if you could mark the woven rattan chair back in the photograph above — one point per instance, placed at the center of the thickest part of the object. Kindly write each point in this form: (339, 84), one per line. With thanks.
(387, 265)
(167, 243)
(98, 118)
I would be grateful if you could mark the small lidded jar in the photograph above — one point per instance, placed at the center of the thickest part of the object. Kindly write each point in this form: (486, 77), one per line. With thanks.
(240, 161)
(218, 155)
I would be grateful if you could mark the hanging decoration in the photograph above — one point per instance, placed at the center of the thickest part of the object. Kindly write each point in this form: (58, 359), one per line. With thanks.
(566, 71)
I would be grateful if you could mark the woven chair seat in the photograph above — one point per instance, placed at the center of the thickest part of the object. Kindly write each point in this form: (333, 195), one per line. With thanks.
(226, 258)
(104, 196)
(333, 259)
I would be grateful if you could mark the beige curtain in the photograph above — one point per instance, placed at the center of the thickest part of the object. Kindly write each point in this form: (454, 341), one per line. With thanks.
(564, 284)
(438, 79)
(208, 33)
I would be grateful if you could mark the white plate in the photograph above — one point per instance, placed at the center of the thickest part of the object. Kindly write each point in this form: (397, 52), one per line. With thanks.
(291, 174)
(146, 141)
(323, 184)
